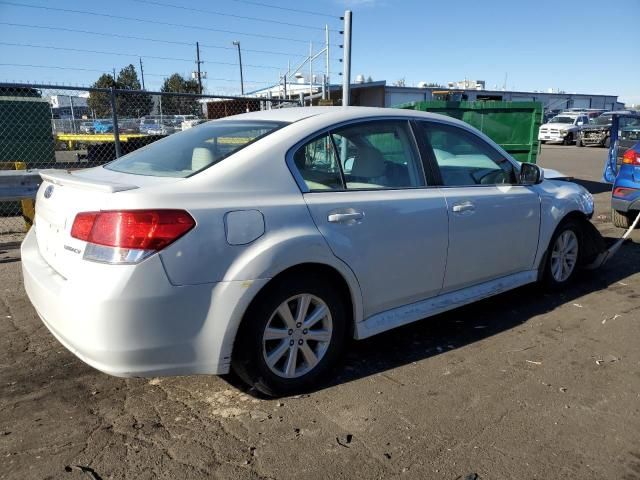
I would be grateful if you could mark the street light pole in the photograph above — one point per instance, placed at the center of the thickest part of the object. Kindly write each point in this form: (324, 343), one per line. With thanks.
(237, 44)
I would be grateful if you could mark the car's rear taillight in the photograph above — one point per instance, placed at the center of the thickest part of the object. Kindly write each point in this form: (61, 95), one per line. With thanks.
(623, 191)
(631, 156)
(129, 236)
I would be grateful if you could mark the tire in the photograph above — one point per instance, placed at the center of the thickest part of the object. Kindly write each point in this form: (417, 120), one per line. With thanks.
(252, 349)
(607, 142)
(579, 143)
(542, 142)
(620, 219)
(554, 277)
(568, 140)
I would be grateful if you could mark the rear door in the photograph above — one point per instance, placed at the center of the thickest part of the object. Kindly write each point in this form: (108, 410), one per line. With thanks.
(493, 222)
(368, 196)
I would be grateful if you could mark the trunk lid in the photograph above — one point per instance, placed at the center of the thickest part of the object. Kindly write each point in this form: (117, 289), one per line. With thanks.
(62, 195)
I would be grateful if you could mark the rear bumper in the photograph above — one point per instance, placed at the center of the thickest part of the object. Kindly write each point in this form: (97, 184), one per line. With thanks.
(129, 321)
(623, 205)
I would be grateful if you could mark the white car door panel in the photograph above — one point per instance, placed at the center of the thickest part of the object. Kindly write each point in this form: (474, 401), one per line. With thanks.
(395, 241)
(493, 232)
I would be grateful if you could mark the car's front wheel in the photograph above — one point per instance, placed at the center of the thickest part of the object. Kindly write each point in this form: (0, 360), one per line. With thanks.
(568, 140)
(291, 336)
(563, 256)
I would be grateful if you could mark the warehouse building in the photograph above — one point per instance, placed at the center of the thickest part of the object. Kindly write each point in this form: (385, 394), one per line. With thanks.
(379, 94)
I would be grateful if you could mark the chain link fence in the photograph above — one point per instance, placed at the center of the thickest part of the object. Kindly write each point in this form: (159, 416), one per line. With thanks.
(48, 126)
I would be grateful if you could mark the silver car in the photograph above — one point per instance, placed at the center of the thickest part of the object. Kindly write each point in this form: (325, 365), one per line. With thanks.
(262, 242)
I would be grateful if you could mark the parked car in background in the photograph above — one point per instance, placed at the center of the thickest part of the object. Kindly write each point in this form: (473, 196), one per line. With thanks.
(564, 128)
(86, 127)
(598, 131)
(103, 126)
(186, 124)
(625, 196)
(263, 241)
(157, 127)
(127, 125)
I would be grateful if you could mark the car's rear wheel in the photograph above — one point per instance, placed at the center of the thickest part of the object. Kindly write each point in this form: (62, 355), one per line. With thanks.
(620, 219)
(563, 256)
(291, 336)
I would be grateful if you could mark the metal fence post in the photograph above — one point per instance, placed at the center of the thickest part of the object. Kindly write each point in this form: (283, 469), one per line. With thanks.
(114, 117)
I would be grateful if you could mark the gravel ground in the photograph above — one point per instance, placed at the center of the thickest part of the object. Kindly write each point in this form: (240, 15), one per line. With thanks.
(523, 385)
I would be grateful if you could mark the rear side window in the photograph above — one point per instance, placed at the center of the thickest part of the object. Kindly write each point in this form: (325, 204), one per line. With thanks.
(193, 150)
(371, 155)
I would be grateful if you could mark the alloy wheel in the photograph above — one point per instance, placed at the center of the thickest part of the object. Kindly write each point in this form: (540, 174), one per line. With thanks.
(297, 336)
(564, 256)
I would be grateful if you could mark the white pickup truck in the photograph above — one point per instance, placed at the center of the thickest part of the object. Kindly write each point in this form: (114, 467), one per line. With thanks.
(564, 127)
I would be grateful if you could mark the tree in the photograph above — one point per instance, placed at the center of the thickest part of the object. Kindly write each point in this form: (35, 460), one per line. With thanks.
(131, 104)
(399, 83)
(99, 102)
(434, 85)
(175, 105)
(369, 79)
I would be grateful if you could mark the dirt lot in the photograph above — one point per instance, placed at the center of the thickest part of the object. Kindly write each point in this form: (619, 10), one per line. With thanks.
(525, 385)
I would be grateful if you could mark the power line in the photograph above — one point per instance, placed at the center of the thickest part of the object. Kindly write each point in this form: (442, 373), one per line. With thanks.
(81, 50)
(108, 71)
(154, 22)
(298, 10)
(158, 40)
(231, 15)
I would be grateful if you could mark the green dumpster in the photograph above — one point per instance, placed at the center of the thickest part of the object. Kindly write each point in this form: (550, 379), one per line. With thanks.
(25, 128)
(512, 125)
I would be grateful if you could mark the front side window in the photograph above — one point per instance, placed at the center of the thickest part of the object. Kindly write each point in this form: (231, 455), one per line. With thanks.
(195, 149)
(465, 159)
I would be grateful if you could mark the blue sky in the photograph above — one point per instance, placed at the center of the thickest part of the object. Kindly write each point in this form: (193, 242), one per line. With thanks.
(587, 48)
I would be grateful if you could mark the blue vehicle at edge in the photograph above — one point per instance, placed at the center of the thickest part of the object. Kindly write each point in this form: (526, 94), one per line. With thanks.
(623, 169)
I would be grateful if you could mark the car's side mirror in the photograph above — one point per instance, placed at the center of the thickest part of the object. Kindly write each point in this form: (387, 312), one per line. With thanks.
(530, 174)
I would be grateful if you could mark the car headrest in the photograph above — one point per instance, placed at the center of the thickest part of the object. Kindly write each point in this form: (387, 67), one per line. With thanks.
(201, 158)
(369, 163)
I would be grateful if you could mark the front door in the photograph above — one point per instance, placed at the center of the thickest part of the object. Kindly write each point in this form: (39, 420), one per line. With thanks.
(493, 221)
(370, 201)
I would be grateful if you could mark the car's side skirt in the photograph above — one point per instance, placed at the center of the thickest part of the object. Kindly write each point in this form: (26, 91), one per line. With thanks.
(396, 317)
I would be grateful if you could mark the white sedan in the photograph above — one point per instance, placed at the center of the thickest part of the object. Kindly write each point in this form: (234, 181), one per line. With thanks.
(261, 242)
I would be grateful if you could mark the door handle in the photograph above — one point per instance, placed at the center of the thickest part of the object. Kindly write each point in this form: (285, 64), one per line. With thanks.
(347, 217)
(463, 207)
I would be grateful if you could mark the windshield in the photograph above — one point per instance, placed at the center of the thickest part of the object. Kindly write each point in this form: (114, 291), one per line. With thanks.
(603, 120)
(188, 152)
(562, 120)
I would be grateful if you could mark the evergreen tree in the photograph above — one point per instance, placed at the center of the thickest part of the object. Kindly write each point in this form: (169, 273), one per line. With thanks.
(175, 105)
(99, 102)
(132, 105)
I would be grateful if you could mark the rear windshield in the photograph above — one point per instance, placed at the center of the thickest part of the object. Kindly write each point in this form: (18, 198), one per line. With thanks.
(185, 153)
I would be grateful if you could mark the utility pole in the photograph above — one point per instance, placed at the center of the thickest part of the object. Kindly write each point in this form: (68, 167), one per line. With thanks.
(198, 62)
(142, 73)
(326, 82)
(346, 74)
(114, 76)
(237, 44)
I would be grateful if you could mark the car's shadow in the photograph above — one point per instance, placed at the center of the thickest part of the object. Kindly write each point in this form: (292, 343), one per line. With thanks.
(593, 187)
(472, 323)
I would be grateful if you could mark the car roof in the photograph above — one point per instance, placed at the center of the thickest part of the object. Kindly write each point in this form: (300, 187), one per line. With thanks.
(339, 113)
